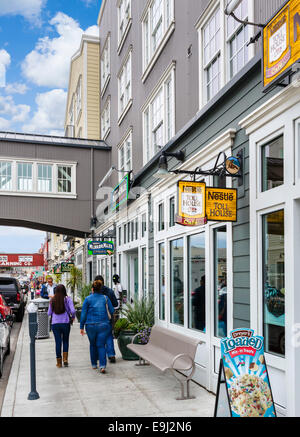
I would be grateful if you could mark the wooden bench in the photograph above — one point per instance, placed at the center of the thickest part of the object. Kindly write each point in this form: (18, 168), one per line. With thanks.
(168, 350)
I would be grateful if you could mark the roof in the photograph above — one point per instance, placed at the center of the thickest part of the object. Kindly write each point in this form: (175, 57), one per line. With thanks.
(53, 140)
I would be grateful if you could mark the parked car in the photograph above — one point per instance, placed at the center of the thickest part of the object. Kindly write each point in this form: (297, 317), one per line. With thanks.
(5, 311)
(14, 296)
(4, 340)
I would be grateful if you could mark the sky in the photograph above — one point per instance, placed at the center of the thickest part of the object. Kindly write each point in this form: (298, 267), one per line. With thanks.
(37, 40)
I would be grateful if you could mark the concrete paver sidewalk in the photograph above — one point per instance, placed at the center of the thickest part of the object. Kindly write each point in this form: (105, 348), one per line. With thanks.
(79, 391)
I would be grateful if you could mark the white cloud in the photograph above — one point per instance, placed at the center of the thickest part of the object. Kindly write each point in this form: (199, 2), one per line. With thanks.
(48, 64)
(50, 114)
(29, 9)
(13, 113)
(16, 88)
(4, 63)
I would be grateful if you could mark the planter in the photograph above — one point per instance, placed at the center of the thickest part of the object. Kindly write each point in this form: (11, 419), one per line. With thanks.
(125, 338)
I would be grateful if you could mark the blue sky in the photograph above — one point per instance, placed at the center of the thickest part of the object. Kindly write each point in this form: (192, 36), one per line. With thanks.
(37, 40)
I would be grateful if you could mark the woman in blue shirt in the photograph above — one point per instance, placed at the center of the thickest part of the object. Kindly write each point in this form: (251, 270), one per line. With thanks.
(95, 318)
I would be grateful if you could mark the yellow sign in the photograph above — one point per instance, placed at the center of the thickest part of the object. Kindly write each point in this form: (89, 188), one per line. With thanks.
(282, 42)
(191, 203)
(221, 204)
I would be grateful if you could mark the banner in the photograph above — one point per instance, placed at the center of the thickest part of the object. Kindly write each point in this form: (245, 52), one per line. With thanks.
(243, 387)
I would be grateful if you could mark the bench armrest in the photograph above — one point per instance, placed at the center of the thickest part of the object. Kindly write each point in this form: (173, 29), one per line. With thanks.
(180, 356)
(133, 338)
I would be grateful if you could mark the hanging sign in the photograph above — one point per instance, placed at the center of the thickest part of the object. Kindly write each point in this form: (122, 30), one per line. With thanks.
(101, 248)
(66, 267)
(120, 193)
(191, 203)
(243, 386)
(221, 204)
(281, 38)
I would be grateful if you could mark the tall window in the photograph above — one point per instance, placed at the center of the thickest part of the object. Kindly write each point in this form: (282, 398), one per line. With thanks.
(125, 157)
(105, 120)
(162, 281)
(71, 112)
(25, 179)
(144, 225)
(272, 164)
(196, 269)
(177, 281)
(124, 15)
(125, 92)
(156, 23)
(212, 55)
(64, 178)
(105, 64)
(220, 281)
(44, 178)
(274, 282)
(144, 271)
(5, 176)
(237, 39)
(172, 212)
(78, 98)
(159, 116)
(161, 217)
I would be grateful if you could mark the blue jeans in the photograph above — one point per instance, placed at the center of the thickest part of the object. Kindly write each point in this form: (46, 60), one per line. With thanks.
(98, 334)
(61, 333)
(110, 349)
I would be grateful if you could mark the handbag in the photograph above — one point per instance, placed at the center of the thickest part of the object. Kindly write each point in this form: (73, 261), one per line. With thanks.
(68, 311)
(108, 313)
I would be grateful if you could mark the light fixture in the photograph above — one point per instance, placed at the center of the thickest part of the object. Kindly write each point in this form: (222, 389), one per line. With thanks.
(163, 171)
(232, 6)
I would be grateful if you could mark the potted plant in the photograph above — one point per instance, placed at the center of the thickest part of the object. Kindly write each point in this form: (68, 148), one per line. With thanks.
(83, 292)
(75, 280)
(137, 318)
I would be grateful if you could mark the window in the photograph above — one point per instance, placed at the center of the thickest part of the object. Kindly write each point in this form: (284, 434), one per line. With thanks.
(196, 269)
(144, 225)
(71, 112)
(44, 178)
(144, 271)
(272, 164)
(124, 79)
(124, 16)
(105, 64)
(120, 236)
(105, 120)
(237, 39)
(212, 55)
(64, 174)
(125, 234)
(136, 228)
(172, 212)
(78, 98)
(177, 281)
(25, 179)
(125, 157)
(161, 219)
(274, 282)
(5, 176)
(156, 23)
(159, 116)
(162, 281)
(220, 281)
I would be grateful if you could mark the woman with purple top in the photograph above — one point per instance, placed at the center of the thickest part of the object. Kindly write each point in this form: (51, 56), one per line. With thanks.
(61, 308)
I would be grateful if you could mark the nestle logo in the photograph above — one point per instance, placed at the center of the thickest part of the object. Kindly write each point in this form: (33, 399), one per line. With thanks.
(215, 195)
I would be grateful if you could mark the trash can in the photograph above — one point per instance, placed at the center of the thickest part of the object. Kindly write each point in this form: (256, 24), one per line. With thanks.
(43, 320)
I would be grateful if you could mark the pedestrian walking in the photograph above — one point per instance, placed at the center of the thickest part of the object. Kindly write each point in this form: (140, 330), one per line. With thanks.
(48, 288)
(118, 290)
(62, 312)
(110, 348)
(96, 313)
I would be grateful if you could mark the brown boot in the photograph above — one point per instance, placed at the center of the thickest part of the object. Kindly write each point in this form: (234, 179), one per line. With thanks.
(58, 362)
(65, 359)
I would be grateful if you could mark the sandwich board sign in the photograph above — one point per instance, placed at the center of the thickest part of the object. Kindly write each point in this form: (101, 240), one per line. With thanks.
(243, 385)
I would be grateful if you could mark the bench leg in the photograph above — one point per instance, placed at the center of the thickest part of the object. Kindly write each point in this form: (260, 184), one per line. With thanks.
(182, 383)
(142, 362)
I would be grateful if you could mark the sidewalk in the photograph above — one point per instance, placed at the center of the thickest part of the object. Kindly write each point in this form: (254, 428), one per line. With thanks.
(78, 391)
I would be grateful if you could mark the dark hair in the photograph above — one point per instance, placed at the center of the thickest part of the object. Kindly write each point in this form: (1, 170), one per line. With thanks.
(58, 300)
(99, 278)
(116, 278)
(97, 285)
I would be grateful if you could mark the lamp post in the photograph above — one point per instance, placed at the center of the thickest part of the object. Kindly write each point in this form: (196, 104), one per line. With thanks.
(33, 328)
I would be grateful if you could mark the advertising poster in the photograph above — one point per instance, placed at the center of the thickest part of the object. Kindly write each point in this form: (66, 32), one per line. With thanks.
(243, 368)
(191, 203)
(221, 204)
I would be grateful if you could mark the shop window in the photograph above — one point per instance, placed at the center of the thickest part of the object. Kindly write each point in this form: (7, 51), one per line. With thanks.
(162, 281)
(172, 212)
(161, 218)
(272, 164)
(177, 281)
(220, 281)
(274, 282)
(196, 268)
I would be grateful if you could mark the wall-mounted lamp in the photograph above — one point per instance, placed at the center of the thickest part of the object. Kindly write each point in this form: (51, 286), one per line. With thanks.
(232, 6)
(163, 171)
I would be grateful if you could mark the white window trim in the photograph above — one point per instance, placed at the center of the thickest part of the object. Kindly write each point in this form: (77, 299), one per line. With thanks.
(122, 38)
(224, 57)
(122, 114)
(122, 143)
(106, 49)
(79, 93)
(107, 107)
(169, 74)
(147, 67)
(35, 192)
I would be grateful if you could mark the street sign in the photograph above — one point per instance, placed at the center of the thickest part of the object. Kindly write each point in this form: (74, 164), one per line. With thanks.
(101, 248)
(191, 203)
(243, 386)
(221, 204)
(281, 39)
